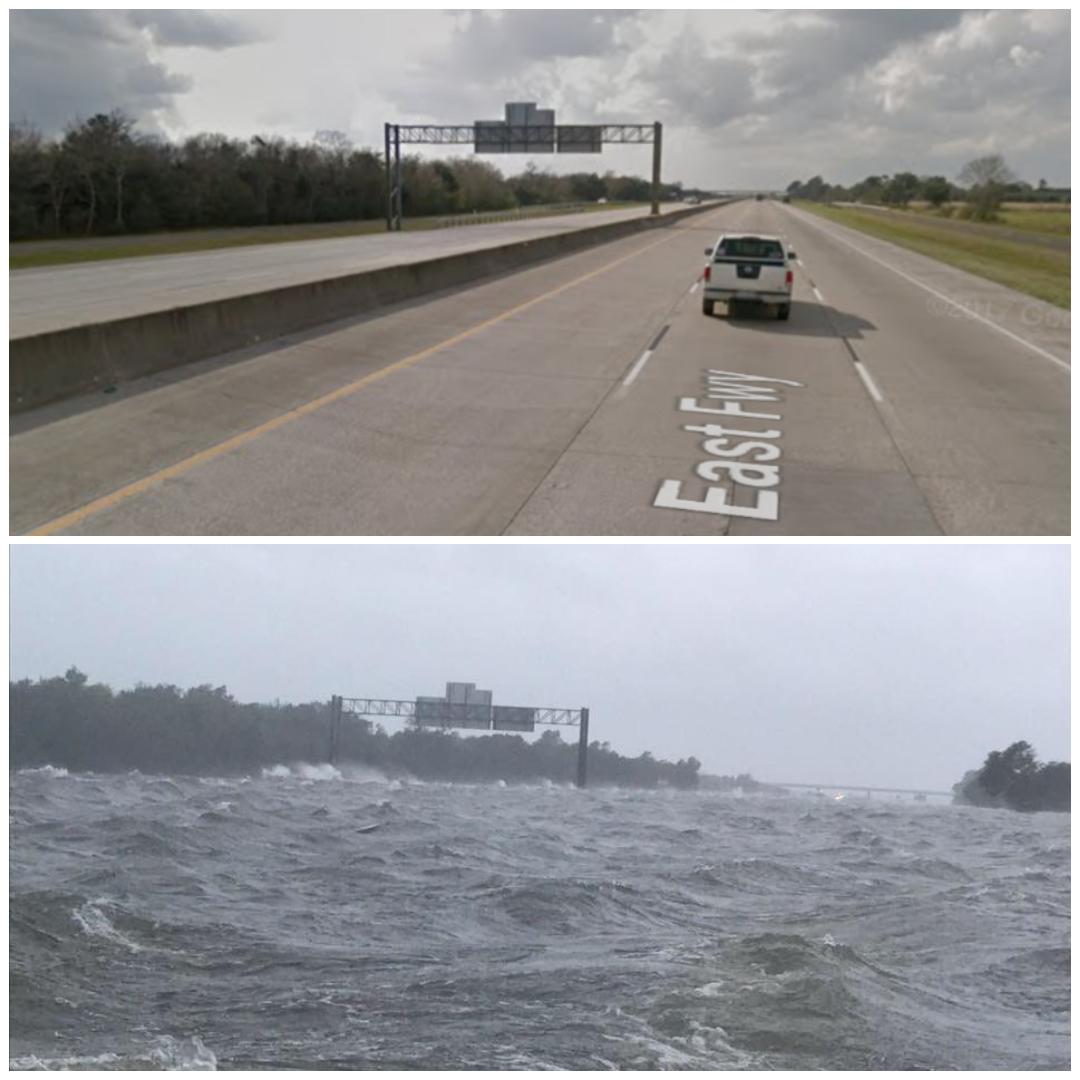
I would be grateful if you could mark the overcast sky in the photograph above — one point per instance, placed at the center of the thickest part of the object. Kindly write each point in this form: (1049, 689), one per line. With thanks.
(748, 99)
(879, 664)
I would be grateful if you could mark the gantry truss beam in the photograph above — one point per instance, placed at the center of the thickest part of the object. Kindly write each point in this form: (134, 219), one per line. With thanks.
(407, 710)
(535, 135)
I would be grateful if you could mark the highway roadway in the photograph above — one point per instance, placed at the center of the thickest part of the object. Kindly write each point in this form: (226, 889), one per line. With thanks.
(589, 395)
(60, 297)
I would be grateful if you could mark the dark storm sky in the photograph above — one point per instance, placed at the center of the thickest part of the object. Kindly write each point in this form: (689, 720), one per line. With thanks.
(892, 665)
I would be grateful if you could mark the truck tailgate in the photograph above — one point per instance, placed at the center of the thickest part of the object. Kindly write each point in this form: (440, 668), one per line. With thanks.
(748, 275)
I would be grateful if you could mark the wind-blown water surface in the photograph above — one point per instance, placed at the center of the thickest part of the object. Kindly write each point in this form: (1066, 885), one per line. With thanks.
(305, 920)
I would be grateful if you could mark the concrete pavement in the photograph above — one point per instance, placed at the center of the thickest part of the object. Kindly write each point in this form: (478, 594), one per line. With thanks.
(127, 321)
(558, 400)
(59, 297)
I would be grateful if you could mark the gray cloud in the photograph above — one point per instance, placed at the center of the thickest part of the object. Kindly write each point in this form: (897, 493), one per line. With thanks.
(748, 99)
(805, 53)
(846, 93)
(708, 91)
(71, 64)
(500, 40)
(202, 29)
(781, 94)
(494, 57)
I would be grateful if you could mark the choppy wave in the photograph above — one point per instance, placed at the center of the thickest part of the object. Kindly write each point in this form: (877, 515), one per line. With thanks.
(318, 918)
(91, 916)
(165, 1053)
(45, 770)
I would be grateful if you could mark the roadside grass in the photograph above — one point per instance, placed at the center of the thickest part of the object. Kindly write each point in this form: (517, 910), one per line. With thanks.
(28, 254)
(1054, 219)
(1037, 271)
(1057, 222)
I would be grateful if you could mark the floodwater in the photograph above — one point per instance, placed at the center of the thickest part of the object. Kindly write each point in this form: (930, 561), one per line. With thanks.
(301, 919)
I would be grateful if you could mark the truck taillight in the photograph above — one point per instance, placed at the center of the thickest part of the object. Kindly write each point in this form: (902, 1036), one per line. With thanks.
(790, 277)
(707, 276)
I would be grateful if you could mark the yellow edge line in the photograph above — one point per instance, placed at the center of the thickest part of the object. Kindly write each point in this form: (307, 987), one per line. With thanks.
(106, 502)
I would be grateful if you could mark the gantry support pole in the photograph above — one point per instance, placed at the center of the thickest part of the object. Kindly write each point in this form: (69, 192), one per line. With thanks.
(583, 749)
(335, 727)
(389, 178)
(658, 131)
(397, 178)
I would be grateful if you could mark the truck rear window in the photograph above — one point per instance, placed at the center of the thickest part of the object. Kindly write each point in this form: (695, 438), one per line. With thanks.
(750, 247)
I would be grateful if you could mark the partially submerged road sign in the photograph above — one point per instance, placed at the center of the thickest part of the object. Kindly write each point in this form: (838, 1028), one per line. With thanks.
(463, 706)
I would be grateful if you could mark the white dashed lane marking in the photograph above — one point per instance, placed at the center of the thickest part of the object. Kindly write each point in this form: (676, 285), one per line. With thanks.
(635, 371)
(643, 359)
(863, 373)
(868, 382)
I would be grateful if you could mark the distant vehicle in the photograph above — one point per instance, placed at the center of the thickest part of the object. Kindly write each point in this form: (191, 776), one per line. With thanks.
(748, 267)
(691, 200)
(759, 196)
(786, 199)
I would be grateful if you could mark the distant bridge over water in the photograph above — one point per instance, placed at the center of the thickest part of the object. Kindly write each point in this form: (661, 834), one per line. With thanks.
(862, 787)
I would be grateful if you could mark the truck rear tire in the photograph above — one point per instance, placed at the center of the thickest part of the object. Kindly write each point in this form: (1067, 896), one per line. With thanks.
(707, 307)
(783, 311)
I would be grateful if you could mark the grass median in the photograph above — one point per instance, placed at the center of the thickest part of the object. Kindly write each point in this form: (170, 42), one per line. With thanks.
(1034, 270)
(27, 254)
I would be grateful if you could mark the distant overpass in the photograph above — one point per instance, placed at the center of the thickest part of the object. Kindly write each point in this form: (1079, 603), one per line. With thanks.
(863, 787)
(730, 193)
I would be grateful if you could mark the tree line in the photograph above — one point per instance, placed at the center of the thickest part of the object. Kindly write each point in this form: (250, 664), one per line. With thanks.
(102, 177)
(1013, 778)
(983, 185)
(72, 723)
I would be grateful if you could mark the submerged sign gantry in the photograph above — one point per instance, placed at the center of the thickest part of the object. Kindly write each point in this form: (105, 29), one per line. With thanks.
(463, 706)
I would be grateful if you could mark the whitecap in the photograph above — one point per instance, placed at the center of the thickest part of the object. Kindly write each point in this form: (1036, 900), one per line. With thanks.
(281, 772)
(33, 1063)
(95, 922)
(317, 772)
(301, 770)
(187, 1054)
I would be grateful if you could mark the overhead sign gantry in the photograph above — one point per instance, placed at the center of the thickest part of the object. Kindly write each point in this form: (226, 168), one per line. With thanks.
(463, 706)
(526, 130)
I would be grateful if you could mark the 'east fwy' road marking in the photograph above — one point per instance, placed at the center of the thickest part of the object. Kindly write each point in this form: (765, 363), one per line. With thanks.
(756, 448)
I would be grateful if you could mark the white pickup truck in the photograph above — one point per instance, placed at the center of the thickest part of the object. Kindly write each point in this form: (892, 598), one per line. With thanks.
(748, 267)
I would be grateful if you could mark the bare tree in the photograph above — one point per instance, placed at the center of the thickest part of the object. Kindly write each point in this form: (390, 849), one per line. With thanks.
(986, 179)
(59, 178)
(101, 148)
(26, 176)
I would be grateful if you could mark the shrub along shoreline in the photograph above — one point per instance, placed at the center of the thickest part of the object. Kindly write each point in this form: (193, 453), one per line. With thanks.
(1013, 778)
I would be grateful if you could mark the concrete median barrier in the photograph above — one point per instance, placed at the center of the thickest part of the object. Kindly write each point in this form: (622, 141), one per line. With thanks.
(56, 365)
